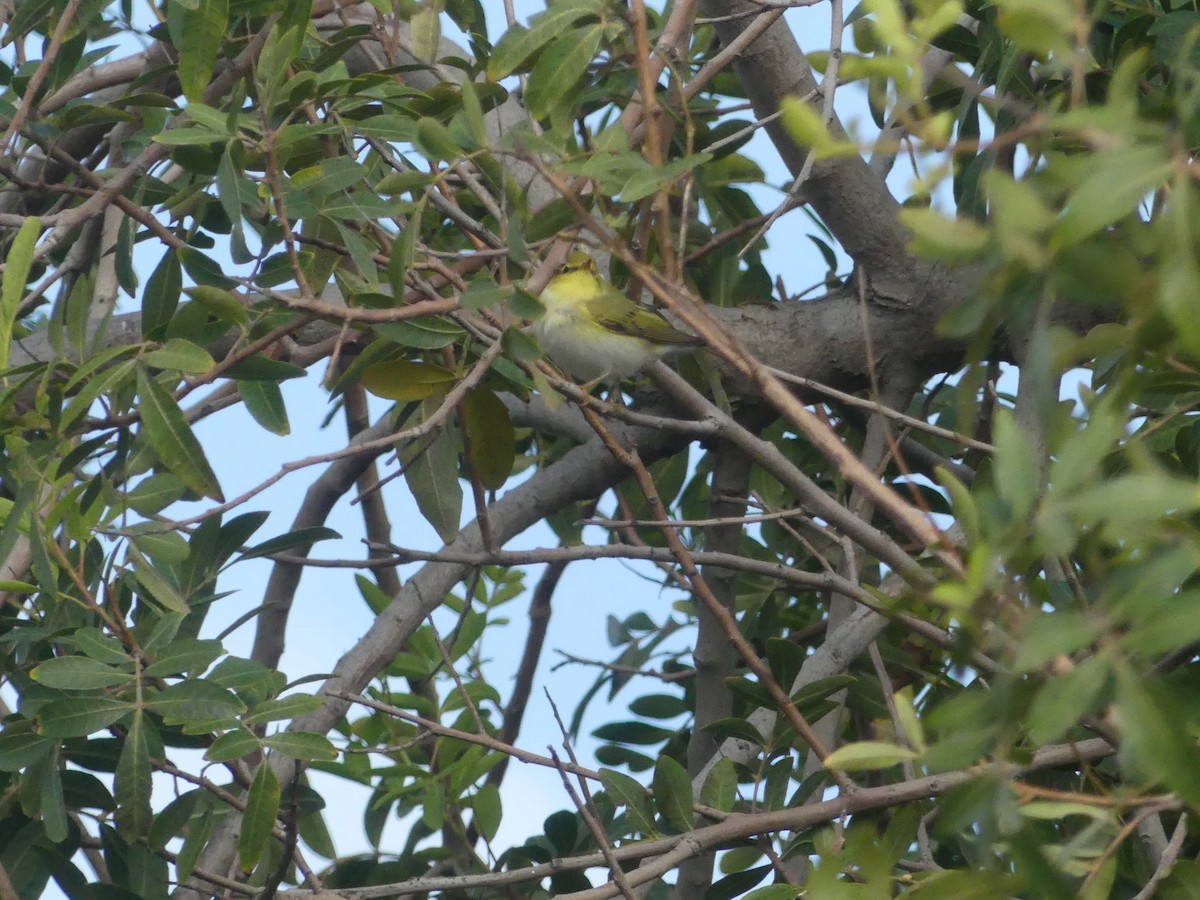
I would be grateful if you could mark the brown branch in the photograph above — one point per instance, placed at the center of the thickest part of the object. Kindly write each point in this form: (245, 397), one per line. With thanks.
(739, 826)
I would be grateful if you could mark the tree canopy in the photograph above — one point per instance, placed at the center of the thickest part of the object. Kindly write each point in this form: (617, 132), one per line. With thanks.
(927, 512)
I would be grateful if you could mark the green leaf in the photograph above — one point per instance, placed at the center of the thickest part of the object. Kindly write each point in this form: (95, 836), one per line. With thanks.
(180, 355)
(720, 788)
(262, 805)
(304, 745)
(282, 708)
(78, 673)
(407, 381)
(205, 26)
(1116, 181)
(133, 785)
(17, 264)
(47, 780)
(94, 643)
(79, 716)
(941, 238)
(301, 537)
(233, 744)
(1154, 745)
(492, 438)
(432, 476)
(806, 126)
(482, 292)
(263, 368)
(488, 811)
(264, 401)
(168, 433)
(1063, 701)
(192, 701)
(156, 585)
(519, 44)
(473, 113)
(559, 68)
(155, 493)
(673, 794)
(185, 655)
(426, 30)
(1014, 466)
(19, 749)
(188, 136)
(624, 791)
(435, 140)
(1046, 635)
(867, 756)
(423, 334)
(645, 182)
(220, 302)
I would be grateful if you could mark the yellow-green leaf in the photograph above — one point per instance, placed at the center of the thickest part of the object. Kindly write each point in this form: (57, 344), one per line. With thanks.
(16, 271)
(407, 381)
(491, 437)
(425, 27)
(221, 303)
(867, 755)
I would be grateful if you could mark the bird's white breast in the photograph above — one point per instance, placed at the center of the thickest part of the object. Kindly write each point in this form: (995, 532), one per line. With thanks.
(585, 350)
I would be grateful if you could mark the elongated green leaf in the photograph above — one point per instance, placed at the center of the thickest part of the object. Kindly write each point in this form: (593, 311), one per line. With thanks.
(433, 479)
(156, 585)
(218, 301)
(473, 113)
(673, 794)
(560, 67)
(519, 44)
(78, 673)
(233, 745)
(16, 271)
(168, 433)
(133, 779)
(425, 334)
(436, 141)
(1155, 747)
(488, 811)
(290, 541)
(407, 381)
(19, 749)
(302, 745)
(79, 716)
(282, 708)
(194, 701)
(264, 401)
(262, 804)
(187, 655)
(492, 437)
(52, 807)
(624, 791)
(425, 27)
(205, 27)
(179, 355)
(867, 755)
(1117, 181)
(720, 788)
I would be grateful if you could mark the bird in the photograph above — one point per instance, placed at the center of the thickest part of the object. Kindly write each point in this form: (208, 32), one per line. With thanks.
(595, 333)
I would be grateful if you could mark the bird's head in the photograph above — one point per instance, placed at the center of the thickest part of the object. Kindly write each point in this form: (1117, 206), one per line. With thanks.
(579, 261)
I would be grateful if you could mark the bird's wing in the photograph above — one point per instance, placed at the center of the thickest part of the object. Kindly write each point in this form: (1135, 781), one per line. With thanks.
(615, 312)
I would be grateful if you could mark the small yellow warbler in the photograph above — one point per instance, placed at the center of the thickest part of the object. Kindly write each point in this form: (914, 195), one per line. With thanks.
(594, 332)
